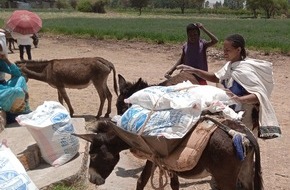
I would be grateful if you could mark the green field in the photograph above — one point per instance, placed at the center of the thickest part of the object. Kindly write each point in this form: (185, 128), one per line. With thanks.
(261, 34)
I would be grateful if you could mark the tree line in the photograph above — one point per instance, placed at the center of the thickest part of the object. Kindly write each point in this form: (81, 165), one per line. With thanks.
(268, 8)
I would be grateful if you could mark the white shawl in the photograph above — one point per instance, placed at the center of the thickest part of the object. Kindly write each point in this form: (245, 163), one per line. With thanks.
(256, 76)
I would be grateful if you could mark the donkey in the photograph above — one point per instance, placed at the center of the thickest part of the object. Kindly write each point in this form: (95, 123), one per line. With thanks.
(218, 159)
(126, 89)
(76, 73)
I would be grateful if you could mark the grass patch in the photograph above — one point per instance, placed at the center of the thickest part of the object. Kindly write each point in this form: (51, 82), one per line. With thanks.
(260, 34)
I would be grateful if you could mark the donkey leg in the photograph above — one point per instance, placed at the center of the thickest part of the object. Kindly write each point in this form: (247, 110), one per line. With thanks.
(109, 99)
(60, 98)
(9, 45)
(174, 182)
(63, 95)
(145, 175)
(102, 96)
(246, 175)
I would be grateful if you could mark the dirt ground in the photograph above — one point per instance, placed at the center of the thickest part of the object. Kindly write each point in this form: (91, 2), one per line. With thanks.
(151, 61)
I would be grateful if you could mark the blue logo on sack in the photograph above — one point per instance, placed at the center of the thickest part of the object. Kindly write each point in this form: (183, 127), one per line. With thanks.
(13, 180)
(59, 117)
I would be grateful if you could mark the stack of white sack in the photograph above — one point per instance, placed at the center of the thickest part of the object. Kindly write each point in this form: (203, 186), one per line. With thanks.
(171, 111)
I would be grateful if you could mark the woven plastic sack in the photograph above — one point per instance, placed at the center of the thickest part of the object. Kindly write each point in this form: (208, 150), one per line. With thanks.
(182, 95)
(12, 172)
(51, 127)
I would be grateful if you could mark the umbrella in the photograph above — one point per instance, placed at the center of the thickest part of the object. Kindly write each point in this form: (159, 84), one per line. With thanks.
(24, 22)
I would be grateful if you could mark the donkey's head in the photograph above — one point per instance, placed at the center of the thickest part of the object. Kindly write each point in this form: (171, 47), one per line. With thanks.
(104, 151)
(126, 89)
(33, 68)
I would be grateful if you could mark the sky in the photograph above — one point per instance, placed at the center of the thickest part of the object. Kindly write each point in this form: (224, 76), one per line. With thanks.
(214, 1)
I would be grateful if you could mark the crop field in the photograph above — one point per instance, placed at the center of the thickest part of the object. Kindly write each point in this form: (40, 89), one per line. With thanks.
(261, 34)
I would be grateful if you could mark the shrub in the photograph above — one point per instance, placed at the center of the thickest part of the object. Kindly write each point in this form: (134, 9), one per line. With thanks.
(85, 6)
(96, 6)
(73, 4)
(61, 4)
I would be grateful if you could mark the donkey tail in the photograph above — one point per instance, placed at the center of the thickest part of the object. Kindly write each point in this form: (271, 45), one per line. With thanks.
(258, 179)
(112, 67)
(115, 80)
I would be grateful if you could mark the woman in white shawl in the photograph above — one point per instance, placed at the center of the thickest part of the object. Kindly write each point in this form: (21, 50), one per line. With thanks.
(249, 81)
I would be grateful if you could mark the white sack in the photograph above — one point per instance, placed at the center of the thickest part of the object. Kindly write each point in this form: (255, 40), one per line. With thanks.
(182, 95)
(51, 127)
(12, 172)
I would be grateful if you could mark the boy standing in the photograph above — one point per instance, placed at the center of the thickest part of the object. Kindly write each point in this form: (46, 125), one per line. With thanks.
(194, 50)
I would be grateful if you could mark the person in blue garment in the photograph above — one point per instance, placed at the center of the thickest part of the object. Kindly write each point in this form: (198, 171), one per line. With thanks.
(14, 91)
(247, 81)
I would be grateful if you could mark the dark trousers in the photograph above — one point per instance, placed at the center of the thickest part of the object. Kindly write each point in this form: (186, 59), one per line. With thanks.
(28, 51)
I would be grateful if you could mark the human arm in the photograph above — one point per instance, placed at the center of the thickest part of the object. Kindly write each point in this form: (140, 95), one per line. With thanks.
(173, 68)
(6, 66)
(209, 76)
(213, 38)
(245, 99)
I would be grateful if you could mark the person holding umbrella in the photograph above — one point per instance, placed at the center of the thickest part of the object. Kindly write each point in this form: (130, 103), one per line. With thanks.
(23, 25)
(23, 41)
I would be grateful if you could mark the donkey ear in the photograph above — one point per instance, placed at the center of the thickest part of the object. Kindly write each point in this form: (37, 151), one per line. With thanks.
(122, 82)
(141, 84)
(88, 137)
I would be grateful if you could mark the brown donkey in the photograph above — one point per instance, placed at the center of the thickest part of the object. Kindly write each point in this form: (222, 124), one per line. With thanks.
(76, 73)
(218, 159)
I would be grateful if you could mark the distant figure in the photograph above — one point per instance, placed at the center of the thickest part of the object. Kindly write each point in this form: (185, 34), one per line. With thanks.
(194, 50)
(35, 40)
(23, 41)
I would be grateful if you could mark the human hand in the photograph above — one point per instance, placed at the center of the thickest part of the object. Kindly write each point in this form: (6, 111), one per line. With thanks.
(2, 56)
(186, 68)
(168, 74)
(199, 25)
(233, 96)
(5, 58)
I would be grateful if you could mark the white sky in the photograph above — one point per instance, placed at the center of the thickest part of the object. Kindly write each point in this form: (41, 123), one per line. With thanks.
(214, 1)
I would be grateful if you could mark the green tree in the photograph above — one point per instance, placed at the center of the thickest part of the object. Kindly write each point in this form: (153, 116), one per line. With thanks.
(253, 5)
(206, 5)
(99, 6)
(182, 4)
(217, 4)
(198, 4)
(271, 7)
(139, 4)
(234, 4)
(84, 6)
(73, 3)
(61, 4)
